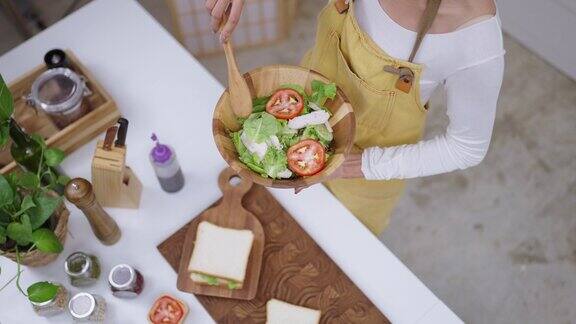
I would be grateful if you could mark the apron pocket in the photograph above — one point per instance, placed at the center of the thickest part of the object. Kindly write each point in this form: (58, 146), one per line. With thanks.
(372, 106)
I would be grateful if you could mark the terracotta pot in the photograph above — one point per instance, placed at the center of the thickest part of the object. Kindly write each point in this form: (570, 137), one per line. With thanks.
(37, 258)
(263, 82)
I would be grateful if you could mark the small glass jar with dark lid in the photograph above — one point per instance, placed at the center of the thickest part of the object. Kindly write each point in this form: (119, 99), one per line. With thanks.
(54, 306)
(85, 307)
(82, 269)
(125, 281)
(60, 92)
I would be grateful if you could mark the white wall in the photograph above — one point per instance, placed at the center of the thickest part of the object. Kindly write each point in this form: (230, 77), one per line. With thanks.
(547, 27)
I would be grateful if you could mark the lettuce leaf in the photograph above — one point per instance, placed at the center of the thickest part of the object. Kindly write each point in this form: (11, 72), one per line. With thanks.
(274, 162)
(296, 87)
(233, 285)
(251, 160)
(322, 91)
(259, 104)
(286, 135)
(260, 126)
(319, 133)
(211, 280)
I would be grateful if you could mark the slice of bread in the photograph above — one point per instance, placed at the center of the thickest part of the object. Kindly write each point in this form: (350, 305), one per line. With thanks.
(221, 252)
(279, 312)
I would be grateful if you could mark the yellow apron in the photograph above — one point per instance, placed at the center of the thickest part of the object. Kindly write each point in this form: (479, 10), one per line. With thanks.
(385, 115)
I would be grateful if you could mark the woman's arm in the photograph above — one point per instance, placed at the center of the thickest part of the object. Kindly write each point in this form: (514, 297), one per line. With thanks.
(472, 95)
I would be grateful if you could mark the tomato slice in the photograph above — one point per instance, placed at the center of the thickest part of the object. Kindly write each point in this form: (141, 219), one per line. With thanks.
(306, 157)
(285, 104)
(167, 310)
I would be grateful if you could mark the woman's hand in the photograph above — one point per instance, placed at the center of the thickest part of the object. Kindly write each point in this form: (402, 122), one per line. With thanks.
(217, 9)
(350, 169)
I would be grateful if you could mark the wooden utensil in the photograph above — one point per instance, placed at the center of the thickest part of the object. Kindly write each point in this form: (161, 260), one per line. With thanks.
(231, 214)
(237, 86)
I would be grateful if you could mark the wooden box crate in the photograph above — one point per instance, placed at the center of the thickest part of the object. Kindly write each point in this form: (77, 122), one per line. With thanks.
(103, 113)
(262, 22)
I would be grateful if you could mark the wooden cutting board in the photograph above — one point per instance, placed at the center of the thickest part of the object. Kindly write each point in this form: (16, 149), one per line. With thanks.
(229, 213)
(294, 269)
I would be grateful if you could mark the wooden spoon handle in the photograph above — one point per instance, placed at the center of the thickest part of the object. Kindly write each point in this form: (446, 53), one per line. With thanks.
(235, 79)
(229, 52)
(239, 92)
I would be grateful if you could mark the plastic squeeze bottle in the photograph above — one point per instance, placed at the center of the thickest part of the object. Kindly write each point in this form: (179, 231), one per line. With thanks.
(166, 166)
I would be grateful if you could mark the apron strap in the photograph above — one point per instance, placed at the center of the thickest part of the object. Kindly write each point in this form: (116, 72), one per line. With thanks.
(426, 21)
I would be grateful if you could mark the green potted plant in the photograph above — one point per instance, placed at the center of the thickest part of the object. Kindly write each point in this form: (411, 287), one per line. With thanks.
(33, 217)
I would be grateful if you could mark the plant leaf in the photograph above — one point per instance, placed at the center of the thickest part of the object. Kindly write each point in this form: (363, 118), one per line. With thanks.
(20, 232)
(53, 156)
(42, 291)
(39, 139)
(27, 203)
(46, 241)
(5, 218)
(6, 101)
(4, 133)
(27, 180)
(63, 179)
(45, 207)
(2, 235)
(6, 192)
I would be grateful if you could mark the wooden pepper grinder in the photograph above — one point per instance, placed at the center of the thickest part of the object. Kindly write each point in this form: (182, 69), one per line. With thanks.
(80, 192)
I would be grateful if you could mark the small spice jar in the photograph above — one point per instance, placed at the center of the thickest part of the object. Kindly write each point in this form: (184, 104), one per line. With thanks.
(125, 281)
(82, 269)
(60, 92)
(85, 307)
(53, 306)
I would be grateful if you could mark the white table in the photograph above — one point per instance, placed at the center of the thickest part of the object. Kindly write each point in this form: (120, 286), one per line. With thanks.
(161, 88)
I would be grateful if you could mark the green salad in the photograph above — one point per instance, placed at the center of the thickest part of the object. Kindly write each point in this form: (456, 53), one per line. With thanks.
(288, 133)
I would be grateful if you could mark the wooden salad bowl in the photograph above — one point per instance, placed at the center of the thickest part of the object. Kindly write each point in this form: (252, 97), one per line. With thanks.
(264, 81)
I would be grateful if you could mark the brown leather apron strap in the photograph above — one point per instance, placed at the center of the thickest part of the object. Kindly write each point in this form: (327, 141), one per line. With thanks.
(424, 25)
(341, 5)
(426, 21)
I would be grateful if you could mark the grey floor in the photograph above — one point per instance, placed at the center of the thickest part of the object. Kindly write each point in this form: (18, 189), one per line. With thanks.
(497, 243)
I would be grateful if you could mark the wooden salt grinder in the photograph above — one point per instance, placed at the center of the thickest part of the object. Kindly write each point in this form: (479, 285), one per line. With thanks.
(115, 185)
(80, 192)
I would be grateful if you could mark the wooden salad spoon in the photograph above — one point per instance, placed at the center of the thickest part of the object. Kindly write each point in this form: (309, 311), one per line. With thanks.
(240, 96)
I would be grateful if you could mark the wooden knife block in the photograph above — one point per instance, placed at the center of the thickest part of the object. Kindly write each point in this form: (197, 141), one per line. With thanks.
(115, 185)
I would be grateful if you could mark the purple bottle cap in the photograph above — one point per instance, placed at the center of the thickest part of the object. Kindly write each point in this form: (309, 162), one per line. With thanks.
(160, 153)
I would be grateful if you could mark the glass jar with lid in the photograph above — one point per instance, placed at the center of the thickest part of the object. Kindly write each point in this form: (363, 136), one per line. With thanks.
(125, 281)
(85, 307)
(60, 93)
(54, 306)
(82, 269)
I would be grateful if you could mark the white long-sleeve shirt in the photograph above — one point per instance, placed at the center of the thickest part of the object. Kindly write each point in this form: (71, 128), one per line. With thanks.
(469, 64)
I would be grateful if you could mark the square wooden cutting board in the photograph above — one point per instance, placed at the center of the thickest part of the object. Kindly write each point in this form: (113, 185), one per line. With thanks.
(294, 269)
